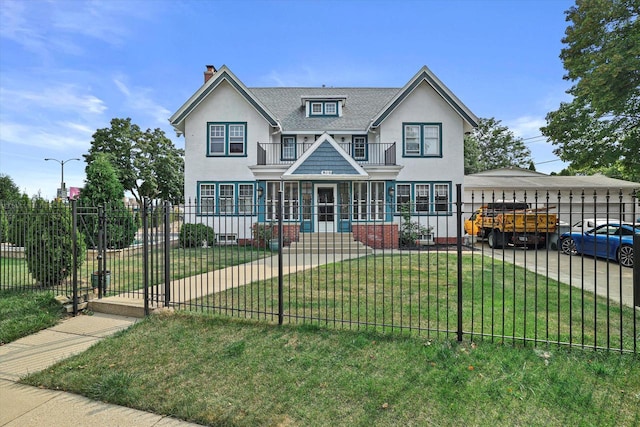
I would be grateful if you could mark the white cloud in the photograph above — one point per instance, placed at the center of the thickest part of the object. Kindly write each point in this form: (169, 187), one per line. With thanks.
(63, 97)
(526, 126)
(49, 137)
(140, 100)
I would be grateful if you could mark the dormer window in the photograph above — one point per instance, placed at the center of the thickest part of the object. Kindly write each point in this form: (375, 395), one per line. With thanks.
(323, 106)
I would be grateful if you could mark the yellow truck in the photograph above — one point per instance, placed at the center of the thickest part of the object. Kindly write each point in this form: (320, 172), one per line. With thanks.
(512, 223)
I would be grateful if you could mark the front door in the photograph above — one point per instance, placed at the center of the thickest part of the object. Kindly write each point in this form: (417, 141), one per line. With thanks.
(326, 208)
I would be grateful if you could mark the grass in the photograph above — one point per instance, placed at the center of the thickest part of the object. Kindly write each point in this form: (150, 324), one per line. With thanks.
(24, 313)
(418, 292)
(126, 266)
(223, 372)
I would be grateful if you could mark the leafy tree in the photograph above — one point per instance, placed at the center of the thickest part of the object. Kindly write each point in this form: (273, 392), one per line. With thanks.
(102, 188)
(18, 214)
(492, 146)
(9, 191)
(49, 243)
(600, 128)
(147, 163)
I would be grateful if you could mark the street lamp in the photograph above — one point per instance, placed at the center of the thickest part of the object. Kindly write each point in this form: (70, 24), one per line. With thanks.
(62, 192)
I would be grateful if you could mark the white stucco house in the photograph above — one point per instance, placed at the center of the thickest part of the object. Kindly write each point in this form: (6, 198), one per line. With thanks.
(345, 158)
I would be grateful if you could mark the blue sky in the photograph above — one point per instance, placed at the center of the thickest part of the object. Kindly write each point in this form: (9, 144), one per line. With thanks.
(68, 67)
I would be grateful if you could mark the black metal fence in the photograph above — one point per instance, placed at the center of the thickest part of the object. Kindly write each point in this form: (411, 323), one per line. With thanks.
(400, 269)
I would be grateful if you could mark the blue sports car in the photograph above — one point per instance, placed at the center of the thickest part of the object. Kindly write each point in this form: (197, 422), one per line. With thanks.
(613, 241)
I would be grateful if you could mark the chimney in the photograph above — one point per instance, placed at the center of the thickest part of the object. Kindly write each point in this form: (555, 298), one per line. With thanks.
(211, 70)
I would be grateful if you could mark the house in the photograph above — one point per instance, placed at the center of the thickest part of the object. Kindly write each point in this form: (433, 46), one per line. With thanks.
(346, 159)
(573, 198)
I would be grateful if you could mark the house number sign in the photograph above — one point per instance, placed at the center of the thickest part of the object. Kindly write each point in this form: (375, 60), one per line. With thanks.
(326, 172)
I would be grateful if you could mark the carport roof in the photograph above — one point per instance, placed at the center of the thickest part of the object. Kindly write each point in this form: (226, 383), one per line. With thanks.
(545, 182)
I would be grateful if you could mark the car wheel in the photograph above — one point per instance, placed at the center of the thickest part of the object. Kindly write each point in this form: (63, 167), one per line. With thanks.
(625, 255)
(495, 239)
(568, 246)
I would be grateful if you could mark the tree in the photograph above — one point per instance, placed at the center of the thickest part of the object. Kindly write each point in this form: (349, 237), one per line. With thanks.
(9, 191)
(600, 128)
(492, 146)
(49, 243)
(147, 163)
(102, 188)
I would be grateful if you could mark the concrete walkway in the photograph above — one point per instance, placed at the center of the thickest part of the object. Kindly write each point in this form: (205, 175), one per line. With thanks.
(27, 406)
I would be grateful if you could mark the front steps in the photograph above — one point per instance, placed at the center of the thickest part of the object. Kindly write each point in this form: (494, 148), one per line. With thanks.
(327, 243)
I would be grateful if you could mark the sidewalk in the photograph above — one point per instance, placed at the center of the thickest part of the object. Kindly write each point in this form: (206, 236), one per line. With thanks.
(27, 406)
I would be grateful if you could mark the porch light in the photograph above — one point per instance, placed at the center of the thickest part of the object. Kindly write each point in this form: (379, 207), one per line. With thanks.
(260, 192)
(391, 192)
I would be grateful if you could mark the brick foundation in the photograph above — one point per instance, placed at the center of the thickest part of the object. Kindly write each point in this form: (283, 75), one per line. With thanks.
(377, 236)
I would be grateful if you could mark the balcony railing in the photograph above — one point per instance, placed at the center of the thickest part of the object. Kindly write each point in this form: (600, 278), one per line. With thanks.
(285, 154)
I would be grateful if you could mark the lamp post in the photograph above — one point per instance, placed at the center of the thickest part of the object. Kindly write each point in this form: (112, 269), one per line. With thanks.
(62, 192)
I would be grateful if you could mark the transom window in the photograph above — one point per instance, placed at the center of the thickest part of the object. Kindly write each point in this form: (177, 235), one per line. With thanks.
(227, 139)
(422, 140)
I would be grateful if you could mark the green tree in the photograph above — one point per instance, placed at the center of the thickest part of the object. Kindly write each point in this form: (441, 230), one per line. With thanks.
(9, 191)
(600, 128)
(102, 188)
(147, 162)
(49, 243)
(492, 146)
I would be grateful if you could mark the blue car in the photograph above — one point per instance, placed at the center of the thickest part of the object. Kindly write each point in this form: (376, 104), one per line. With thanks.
(613, 241)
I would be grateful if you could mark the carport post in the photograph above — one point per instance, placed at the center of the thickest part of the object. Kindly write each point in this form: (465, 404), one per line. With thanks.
(636, 270)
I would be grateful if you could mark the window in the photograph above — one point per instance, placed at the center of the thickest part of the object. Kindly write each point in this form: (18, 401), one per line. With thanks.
(441, 197)
(422, 197)
(288, 148)
(226, 198)
(207, 198)
(216, 139)
(403, 195)
(360, 147)
(227, 139)
(330, 109)
(290, 201)
(368, 200)
(422, 140)
(324, 108)
(227, 239)
(271, 201)
(245, 198)
(316, 108)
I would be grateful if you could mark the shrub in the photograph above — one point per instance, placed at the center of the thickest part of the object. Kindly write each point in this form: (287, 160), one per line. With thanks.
(195, 235)
(410, 231)
(263, 232)
(49, 244)
(20, 212)
(4, 225)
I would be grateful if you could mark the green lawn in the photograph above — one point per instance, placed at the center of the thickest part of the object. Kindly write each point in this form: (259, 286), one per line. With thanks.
(226, 372)
(26, 312)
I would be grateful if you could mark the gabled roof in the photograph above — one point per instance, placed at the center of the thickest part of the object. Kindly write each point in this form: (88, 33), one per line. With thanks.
(223, 74)
(361, 105)
(325, 159)
(423, 75)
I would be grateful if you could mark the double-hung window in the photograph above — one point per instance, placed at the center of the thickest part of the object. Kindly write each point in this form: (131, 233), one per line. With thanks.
(226, 196)
(245, 198)
(422, 197)
(403, 196)
(227, 139)
(360, 147)
(422, 140)
(441, 197)
(207, 198)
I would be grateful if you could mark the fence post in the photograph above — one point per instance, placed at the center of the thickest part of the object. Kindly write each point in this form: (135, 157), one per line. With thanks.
(101, 249)
(167, 258)
(145, 255)
(636, 270)
(459, 251)
(280, 267)
(74, 266)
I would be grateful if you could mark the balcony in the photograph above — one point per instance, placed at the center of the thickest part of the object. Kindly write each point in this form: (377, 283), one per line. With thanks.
(371, 154)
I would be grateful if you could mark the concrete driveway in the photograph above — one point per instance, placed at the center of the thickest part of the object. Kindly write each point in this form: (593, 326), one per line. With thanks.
(606, 278)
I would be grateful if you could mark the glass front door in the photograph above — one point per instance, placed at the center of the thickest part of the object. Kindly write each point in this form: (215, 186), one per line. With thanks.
(326, 208)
